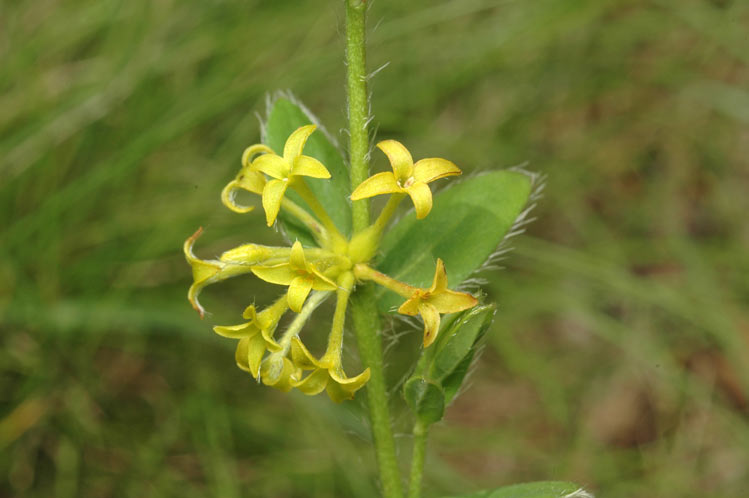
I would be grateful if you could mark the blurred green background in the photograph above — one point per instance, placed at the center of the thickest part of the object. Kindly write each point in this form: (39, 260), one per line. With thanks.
(618, 358)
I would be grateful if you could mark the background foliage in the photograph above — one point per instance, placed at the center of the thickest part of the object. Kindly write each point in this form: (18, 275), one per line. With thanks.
(618, 356)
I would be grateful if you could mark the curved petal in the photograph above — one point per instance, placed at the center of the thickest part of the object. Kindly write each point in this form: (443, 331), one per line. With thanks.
(273, 166)
(399, 157)
(450, 301)
(278, 274)
(241, 355)
(272, 196)
(255, 352)
(314, 383)
(421, 197)
(431, 318)
(381, 183)
(228, 195)
(253, 150)
(434, 168)
(321, 282)
(342, 388)
(299, 289)
(301, 356)
(237, 331)
(295, 143)
(439, 283)
(309, 166)
(279, 372)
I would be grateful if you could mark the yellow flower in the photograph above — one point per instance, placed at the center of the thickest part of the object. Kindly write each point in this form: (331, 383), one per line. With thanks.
(327, 374)
(429, 303)
(298, 274)
(287, 169)
(248, 179)
(255, 336)
(278, 371)
(206, 272)
(407, 177)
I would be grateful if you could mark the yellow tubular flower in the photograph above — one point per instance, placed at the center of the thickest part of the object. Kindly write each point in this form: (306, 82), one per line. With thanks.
(429, 303)
(255, 336)
(298, 274)
(407, 177)
(284, 170)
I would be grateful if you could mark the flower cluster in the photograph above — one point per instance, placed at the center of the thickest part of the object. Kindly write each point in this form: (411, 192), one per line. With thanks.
(313, 274)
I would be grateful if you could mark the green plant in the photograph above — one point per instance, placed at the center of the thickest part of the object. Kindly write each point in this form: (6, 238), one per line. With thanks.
(323, 209)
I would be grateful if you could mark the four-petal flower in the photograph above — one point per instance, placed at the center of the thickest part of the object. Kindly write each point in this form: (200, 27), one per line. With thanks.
(327, 374)
(407, 177)
(429, 303)
(256, 336)
(287, 169)
(248, 179)
(300, 275)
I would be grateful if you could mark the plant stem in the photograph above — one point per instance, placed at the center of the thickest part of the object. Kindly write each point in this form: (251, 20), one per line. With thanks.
(364, 272)
(358, 106)
(363, 308)
(417, 459)
(367, 324)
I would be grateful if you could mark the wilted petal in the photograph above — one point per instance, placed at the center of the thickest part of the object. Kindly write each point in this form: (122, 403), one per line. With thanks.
(295, 143)
(421, 197)
(434, 168)
(381, 183)
(399, 157)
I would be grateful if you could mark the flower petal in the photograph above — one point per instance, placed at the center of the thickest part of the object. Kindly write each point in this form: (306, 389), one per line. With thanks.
(299, 289)
(241, 355)
(273, 166)
(228, 195)
(254, 150)
(439, 283)
(399, 157)
(278, 274)
(450, 301)
(431, 318)
(411, 306)
(297, 260)
(314, 383)
(421, 197)
(279, 372)
(295, 143)
(381, 183)
(255, 352)
(309, 166)
(301, 356)
(321, 282)
(341, 388)
(240, 331)
(272, 196)
(434, 168)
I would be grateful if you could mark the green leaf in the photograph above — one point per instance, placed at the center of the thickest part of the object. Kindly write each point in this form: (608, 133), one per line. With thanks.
(284, 117)
(544, 489)
(426, 400)
(460, 341)
(465, 226)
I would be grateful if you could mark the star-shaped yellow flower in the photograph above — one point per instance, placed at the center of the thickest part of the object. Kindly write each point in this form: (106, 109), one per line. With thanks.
(287, 169)
(248, 179)
(256, 336)
(298, 274)
(429, 303)
(327, 374)
(407, 177)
